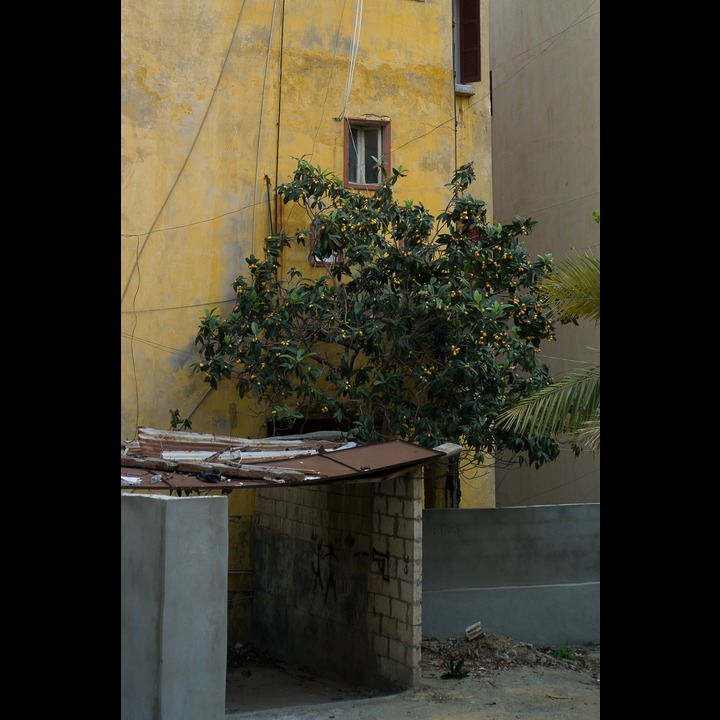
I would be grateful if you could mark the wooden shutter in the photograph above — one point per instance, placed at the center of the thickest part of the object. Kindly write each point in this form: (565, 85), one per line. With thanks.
(469, 27)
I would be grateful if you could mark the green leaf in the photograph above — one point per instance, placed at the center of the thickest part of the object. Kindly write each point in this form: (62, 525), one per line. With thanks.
(410, 336)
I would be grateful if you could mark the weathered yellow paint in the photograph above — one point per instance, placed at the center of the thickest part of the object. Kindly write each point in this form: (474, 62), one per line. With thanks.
(241, 504)
(477, 483)
(219, 98)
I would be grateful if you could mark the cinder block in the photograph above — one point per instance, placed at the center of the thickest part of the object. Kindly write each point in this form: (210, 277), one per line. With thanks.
(474, 631)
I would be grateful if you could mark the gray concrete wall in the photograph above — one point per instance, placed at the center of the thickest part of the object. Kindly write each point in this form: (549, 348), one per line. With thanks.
(173, 613)
(531, 573)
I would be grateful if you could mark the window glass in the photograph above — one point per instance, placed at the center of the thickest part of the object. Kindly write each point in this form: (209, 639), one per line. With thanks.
(364, 143)
(372, 150)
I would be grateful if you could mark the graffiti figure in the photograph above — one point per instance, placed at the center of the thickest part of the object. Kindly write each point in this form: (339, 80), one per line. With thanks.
(316, 570)
(383, 560)
(330, 577)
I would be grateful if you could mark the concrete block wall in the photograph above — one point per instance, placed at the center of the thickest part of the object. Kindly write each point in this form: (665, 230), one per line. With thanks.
(173, 608)
(395, 593)
(338, 578)
(531, 573)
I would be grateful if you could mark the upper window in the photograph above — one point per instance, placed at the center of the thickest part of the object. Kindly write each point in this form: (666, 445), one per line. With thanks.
(466, 37)
(366, 140)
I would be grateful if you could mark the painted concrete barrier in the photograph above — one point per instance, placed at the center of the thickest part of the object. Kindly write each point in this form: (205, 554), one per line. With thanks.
(531, 573)
(173, 612)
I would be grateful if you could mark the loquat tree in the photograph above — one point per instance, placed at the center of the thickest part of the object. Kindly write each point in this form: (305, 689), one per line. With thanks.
(422, 328)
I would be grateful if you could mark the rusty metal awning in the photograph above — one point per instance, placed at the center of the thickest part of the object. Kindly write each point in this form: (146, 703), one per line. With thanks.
(365, 461)
(190, 462)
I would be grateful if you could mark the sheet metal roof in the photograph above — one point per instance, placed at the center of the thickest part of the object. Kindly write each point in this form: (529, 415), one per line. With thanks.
(367, 460)
(191, 462)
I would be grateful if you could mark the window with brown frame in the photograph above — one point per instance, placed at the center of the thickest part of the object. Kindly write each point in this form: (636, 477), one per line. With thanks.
(364, 141)
(466, 36)
(317, 260)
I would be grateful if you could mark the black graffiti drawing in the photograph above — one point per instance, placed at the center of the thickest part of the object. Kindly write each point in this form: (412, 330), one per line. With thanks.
(407, 561)
(316, 570)
(331, 577)
(328, 556)
(383, 560)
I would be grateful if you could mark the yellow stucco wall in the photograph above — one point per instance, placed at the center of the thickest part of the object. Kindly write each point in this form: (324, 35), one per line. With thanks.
(477, 483)
(218, 98)
(241, 504)
(217, 95)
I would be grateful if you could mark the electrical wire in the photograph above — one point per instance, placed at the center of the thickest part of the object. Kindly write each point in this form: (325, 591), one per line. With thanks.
(327, 87)
(185, 354)
(287, 217)
(203, 304)
(355, 46)
(351, 70)
(136, 265)
(454, 78)
(189, 153)
(255, 203)
(281, 54)
(413, 139)
(556, 37)
(260, 123)
(191, 224)
(526, 500)
(224, 157)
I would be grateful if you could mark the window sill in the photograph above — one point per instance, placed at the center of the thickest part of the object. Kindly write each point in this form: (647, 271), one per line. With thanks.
(467, 90)
(370, 187)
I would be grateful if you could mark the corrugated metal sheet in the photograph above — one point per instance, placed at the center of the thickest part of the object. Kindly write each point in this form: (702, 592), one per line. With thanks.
(189, 462)
(368, 460)
(151, 442)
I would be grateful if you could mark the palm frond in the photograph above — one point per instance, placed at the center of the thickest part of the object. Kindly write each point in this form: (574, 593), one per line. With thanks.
(589, 434)
(562, 407)
(573, 289)
(571, 405)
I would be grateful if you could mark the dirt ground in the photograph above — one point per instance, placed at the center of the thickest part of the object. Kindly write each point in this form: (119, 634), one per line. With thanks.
(492, 677)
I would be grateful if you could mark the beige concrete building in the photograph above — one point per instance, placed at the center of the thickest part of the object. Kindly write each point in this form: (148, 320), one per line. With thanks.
(545, 65)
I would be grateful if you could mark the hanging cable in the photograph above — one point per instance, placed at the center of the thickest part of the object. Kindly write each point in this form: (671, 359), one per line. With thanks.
(260, 124)
(279, 115)
(269, 206)
(353, 54)
(286, 217)
(454, 76)
(187, 157)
